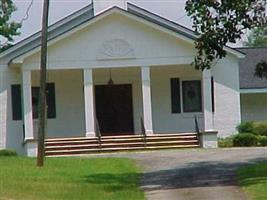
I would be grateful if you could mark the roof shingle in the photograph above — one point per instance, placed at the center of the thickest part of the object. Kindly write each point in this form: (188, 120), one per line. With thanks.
(247, 68)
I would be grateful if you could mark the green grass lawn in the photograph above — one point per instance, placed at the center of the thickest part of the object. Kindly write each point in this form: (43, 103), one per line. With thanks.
(69, 179)
(253, 180)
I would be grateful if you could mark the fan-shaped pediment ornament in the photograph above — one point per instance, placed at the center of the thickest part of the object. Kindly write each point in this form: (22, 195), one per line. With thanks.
(115, 49)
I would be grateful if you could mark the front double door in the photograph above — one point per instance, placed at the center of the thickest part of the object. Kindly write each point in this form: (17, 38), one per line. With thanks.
(114, 109)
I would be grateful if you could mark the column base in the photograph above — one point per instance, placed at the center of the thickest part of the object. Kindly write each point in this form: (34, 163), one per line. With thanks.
(209, 139)
(149, 132)
(90, 134)
(31, 147)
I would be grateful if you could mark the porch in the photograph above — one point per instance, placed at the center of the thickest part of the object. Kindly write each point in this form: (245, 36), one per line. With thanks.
(114, 100)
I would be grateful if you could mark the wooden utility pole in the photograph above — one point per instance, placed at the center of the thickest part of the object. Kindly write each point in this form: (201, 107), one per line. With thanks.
(42, 94)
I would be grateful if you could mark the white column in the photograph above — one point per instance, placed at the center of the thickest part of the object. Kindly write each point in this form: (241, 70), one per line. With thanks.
(3, 105)
(27, 104)
(207, 100)
(89, 102)
(147, 105)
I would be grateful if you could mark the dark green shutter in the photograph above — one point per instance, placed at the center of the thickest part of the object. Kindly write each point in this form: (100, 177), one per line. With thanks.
(51, 100)
(16, 102)
(175, 95)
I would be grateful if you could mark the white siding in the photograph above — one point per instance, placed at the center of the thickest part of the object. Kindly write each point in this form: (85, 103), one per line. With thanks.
(11, 132)
(227, 97)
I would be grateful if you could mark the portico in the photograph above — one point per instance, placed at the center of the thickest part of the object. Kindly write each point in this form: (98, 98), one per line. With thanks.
(75, 100)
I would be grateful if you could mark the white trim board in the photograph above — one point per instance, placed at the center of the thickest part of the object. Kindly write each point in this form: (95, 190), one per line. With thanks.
(253, 91)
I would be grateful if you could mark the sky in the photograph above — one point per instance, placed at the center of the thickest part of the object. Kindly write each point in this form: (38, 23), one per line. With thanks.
(170, 9)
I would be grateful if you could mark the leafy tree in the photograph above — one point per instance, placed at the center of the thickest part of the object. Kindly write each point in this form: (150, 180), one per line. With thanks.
(257, 38)
(221, 21)
(8, 28)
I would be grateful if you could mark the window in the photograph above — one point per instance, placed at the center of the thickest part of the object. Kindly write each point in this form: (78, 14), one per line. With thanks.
(192, 100)
(50, 100)
(190, 92)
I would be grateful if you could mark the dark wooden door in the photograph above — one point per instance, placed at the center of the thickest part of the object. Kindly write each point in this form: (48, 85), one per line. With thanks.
(114, 109)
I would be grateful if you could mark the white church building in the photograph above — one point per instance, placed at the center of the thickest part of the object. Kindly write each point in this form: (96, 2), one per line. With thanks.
(116, 63)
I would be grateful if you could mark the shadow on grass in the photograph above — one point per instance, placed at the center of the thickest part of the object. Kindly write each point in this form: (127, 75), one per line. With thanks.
(115, 182)
(196, 174)
(255, 174)
(254, 180)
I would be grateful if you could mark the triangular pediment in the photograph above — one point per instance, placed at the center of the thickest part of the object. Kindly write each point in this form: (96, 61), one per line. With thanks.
(116, 35)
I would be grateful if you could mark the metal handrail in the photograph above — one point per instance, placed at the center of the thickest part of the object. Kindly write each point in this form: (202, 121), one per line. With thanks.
(98, 133)
(197, 126)
(143, 130)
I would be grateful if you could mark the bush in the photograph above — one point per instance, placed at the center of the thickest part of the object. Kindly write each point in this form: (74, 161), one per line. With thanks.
(245, 140)
(226, 142)
(246, 127)
(260, 128)
(7, 152)
(263, 140)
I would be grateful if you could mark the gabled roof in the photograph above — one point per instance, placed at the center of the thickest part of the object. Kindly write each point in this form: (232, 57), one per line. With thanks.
(64, 25)
(154, 18)
(85, 15)
(247, 68)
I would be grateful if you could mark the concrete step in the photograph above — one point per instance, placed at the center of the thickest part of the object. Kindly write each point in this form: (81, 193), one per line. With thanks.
(91, 138)
(74, 146)
(119, 137)
(108, 150)
(131, 137)
(120, 140)
(121, 145)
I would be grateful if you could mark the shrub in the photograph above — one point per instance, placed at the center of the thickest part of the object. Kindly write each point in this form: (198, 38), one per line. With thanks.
(8, 152)
(260, 128)
(246, 127)
(226, 142)
(263, 140)
(245, 140)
